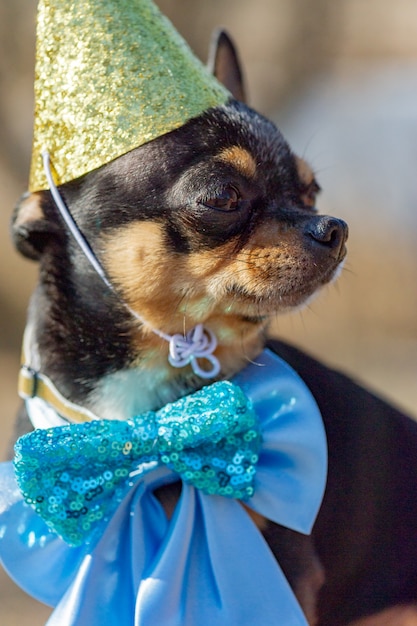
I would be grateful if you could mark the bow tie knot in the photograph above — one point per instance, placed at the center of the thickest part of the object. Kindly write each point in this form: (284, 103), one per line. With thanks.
(76, 475)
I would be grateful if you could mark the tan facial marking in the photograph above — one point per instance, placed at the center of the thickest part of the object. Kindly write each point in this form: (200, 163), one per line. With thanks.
(173, 292)
(308, 181)
(305, 172)
(165, 288)
(30, 210)
(240, 159)
(136, 259)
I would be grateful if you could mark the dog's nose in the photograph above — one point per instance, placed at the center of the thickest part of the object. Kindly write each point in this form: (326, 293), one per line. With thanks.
(330, 232)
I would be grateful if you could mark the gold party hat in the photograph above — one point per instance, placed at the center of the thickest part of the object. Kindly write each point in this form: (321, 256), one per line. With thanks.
(111, 75)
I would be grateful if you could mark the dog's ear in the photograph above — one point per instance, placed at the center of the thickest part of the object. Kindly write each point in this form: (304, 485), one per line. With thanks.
(31, 229)
(225, 65)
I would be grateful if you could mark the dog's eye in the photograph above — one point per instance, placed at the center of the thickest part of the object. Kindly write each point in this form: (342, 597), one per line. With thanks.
(226, 200)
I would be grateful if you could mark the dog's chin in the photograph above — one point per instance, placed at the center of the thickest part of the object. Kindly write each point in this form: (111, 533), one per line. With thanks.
(276, 299)
(299, 298)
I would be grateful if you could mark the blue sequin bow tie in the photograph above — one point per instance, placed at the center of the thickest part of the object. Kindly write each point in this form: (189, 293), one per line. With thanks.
(75, 476)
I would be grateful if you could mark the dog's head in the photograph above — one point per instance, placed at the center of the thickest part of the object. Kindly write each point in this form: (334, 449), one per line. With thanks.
(214, 222)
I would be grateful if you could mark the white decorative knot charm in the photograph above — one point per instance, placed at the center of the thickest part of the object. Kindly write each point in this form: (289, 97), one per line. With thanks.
(198, 343)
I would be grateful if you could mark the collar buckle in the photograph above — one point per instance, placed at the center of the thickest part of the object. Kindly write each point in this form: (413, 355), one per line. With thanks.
(28, 382)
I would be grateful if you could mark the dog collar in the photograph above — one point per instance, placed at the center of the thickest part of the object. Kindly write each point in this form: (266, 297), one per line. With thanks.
(34, 385)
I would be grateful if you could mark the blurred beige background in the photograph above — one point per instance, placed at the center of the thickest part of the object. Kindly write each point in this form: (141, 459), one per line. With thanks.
(340, 79)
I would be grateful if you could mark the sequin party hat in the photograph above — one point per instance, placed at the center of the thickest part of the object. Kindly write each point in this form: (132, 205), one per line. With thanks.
(110, 76)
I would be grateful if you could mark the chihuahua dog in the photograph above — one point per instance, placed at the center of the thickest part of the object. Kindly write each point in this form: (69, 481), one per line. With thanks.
(213, 223)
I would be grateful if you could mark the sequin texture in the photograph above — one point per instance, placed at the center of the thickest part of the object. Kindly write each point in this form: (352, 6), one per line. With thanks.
(75, 476)
(110, 76)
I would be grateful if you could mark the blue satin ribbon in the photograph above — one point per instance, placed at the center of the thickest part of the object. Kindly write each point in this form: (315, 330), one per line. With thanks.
(208, 564)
